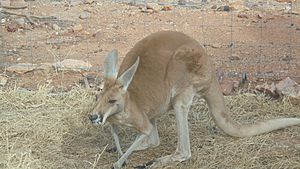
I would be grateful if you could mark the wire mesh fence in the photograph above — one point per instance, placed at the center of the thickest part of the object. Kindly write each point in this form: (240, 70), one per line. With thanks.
(260, 38)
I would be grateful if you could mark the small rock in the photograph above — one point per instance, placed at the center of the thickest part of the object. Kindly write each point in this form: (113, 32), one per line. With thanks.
(3, 20)
(97, 34)
(3, 80)
(216, 45)
(150, 8)
(75, 2)
(291, 1)
(72, 64)
(153, 6)
(236, 84)
(182, 2)
(227, 87)
(224, 8)
(12, 27)
(89, 1)
(21, 22)
(214, 7)
(234, 57)
(56, 3)
(268, 89)
(220, 75)
(166, 8)
(77, 28)
(243, 15)
(84, 15)
(260, 15)
(55, 27)
(22, 67)
(288, 87)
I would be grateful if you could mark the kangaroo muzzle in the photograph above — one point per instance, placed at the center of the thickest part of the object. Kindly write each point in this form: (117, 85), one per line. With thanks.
(96, 119)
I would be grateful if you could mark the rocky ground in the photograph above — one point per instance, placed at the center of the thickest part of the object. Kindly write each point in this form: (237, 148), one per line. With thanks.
(63, 43)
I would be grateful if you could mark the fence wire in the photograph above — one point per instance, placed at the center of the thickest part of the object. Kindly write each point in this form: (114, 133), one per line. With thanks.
(262, 39)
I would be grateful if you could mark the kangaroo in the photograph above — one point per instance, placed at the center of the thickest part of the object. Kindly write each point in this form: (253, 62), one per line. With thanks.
(162, 72)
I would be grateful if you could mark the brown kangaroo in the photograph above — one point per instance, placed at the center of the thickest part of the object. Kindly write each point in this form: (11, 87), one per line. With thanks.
(161, 72)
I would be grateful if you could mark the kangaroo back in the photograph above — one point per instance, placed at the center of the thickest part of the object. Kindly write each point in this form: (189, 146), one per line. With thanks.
(167, 61)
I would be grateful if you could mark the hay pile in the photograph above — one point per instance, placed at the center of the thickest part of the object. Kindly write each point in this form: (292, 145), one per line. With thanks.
(44, 130)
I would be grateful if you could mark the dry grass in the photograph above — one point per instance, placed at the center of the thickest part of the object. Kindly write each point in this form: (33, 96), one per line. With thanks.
(44, 130)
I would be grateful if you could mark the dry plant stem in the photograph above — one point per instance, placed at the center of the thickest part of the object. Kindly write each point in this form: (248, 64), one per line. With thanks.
(86, 82)
(98, 157)
(53, 131)
(14, 7)
(32, 16)
(28, 17)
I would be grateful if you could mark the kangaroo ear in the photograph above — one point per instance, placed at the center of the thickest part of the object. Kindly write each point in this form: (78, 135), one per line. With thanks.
(110, 64)
(127, 76)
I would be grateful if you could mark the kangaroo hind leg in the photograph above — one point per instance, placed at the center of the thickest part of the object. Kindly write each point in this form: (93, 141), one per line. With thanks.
(181, 106)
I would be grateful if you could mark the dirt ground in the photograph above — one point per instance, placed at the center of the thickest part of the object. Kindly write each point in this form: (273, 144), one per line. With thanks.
(261, 38)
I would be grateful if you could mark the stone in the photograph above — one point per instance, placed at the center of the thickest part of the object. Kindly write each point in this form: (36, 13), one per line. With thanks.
(243, 15)
(22, 67)
(3, 20)
(182, 2)
(97, 34)
(268, 89)
(260, 15)
(12, 26)
(286, 1)
(3, 80)
(216, 46)
(84, 15)
(150, 8)
(153, 6)
(77, 28)
(234, 57)
(21, 22)
(224, 8)
(220, 75)
(288, 87)
(227, 87)
(214, 7)
(166, 8)
(55, 27)
(75, 2)
(236, 84)
(72, 64)
(89, 1)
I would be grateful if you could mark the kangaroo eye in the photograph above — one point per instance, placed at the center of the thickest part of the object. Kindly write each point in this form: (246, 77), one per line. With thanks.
(112, 101)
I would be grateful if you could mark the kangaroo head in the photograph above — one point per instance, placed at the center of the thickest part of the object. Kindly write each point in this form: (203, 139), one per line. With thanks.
(112, 99)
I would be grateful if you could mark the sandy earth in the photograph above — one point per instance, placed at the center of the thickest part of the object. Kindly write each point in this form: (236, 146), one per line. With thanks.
(264, 43)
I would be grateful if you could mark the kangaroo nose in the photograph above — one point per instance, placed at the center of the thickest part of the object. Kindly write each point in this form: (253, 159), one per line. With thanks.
(93, 117)
(96, 118)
